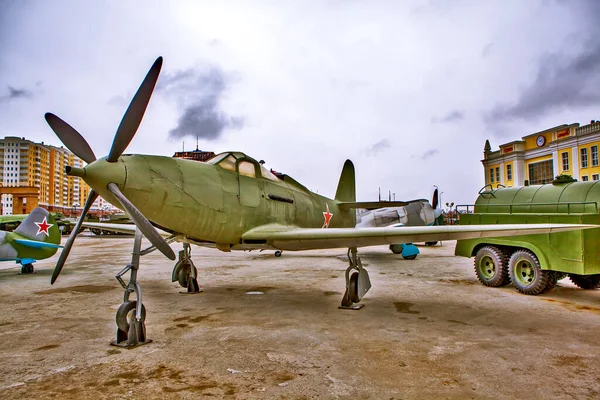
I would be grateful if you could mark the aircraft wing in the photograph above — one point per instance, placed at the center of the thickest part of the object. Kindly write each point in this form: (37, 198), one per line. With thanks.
(118, 228)
(293, 238)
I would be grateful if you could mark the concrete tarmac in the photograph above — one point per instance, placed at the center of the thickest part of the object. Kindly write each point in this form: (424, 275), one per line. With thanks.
(267, 327)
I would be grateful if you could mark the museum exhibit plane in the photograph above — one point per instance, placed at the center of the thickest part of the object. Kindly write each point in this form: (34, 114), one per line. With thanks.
(36, 238)
(232, 203)
(415, 213)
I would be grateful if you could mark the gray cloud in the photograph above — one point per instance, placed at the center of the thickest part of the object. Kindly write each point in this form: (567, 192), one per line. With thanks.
(488, 50)
(198, 93)
(117, 100)
(378, 147)
(14, 94)
(453, 116)
(429, 153)
(562, 82)
(559, 85)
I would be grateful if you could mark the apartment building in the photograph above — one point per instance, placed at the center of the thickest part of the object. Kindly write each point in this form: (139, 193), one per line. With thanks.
(41, 167)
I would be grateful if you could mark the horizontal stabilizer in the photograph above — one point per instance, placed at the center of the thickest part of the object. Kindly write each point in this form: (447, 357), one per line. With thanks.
(372, 205)
(37, 245)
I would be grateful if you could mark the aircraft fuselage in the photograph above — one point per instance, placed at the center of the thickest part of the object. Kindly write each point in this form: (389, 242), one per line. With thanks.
(207, 203)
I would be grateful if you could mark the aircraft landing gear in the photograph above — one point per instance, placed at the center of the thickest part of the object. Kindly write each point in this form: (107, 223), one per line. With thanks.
(357, 284)
(27, 268)
(185, 271)
(131, 315)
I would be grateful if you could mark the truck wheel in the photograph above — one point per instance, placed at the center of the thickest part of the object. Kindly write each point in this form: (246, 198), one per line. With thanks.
(585, 281)
(526, 274)
(552, 279)
(560, 275)
(491, 267)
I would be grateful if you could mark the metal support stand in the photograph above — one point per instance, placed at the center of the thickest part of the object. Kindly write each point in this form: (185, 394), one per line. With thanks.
(185, 272)
(357, 284)
(131, 328)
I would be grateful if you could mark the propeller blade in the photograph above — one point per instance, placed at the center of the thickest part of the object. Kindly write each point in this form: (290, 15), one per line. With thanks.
(142, 222)
(69, 243)
(71, 138)
(435, 201)
(135, 112)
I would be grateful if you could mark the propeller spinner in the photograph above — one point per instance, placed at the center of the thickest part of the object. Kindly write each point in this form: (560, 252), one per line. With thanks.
(125, 133)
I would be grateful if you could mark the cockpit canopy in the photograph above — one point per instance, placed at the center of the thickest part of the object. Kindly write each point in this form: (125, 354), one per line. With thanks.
(236, 161)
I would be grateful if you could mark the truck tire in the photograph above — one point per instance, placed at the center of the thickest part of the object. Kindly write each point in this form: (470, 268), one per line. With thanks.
(585, 281)
(552, 280)
(526, 274)
(491, 267)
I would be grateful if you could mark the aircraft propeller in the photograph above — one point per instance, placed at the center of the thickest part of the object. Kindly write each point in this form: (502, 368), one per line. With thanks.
(125, 133)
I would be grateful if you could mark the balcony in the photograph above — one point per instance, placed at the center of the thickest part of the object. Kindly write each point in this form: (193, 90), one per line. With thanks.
(587, 129)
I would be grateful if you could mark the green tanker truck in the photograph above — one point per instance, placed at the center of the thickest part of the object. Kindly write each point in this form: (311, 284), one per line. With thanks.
(534, 263)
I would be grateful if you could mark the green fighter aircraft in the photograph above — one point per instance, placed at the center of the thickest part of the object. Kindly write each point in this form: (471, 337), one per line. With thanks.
(232, 203)
(36, 238)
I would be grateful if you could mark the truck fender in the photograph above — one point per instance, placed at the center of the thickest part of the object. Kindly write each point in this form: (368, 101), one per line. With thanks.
(515, 245)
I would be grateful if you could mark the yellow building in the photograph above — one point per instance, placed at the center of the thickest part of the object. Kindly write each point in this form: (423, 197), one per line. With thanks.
(540, 157)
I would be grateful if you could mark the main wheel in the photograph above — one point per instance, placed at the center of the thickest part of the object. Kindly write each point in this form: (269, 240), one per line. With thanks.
(278, 253)
(396, 248)
(491, 267)
(27, 269)
(526, 274)
(184, 274)
(124, 314)
(353, 288)
(585, 281)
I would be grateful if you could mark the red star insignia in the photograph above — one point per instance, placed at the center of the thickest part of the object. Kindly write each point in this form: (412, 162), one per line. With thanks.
(327, 215)
(43, 227)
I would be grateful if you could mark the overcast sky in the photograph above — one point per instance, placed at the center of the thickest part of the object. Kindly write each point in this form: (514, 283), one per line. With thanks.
(408, 90)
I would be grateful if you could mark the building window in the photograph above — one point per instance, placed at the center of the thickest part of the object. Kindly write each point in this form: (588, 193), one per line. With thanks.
(584, 158)
(584, 178)
(509, 172)
(492, 175)
(594, 150)
(541, 172)
(595, 177)
(565, 161)
(498, 174)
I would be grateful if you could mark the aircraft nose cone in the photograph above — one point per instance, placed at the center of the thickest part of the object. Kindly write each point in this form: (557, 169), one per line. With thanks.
(100, 173)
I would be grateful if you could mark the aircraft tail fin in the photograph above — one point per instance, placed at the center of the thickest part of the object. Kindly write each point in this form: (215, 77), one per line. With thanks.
(346, 189)
(40, 226)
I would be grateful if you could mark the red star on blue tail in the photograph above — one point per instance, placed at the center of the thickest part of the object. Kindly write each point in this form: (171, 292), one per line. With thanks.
(327, 215)
(43, 227)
